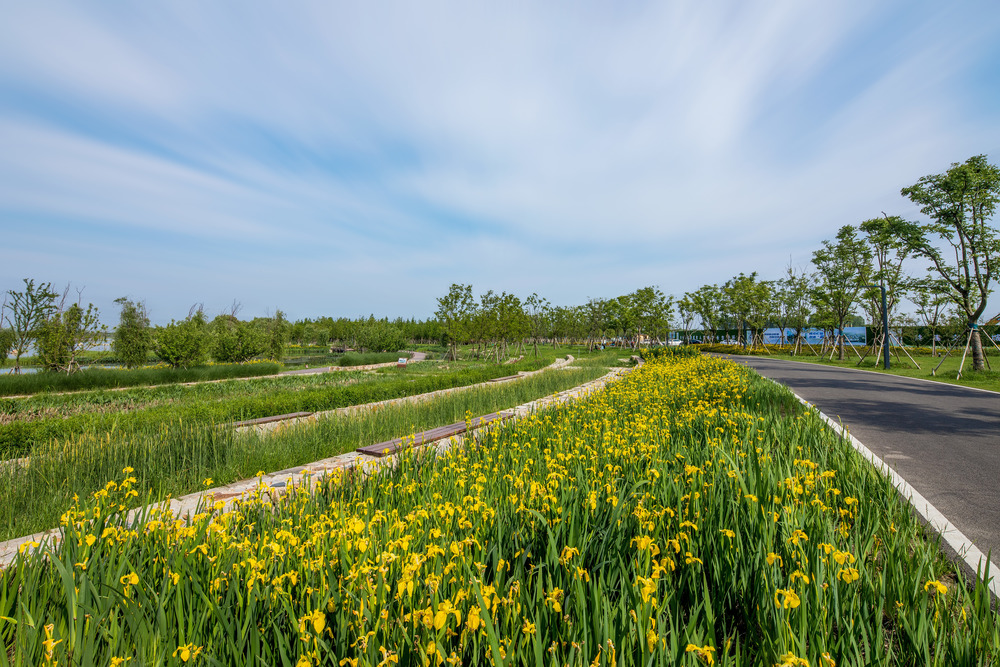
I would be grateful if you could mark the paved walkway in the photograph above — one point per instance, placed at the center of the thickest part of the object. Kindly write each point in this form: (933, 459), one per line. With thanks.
(943, 439)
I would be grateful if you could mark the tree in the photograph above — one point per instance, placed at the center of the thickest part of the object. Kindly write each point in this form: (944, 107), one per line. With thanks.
(454, 310)
(749, 300)
(793, 302)
(6, 335)
(686, 311)
(184, 344)
(539, 314)
(960, 204)
(133, 339)
(707, 303)
(380, 336)
(838, 286)
(28, 310)
(66, 332)
(882, 265)
(236, 342)
(930, 298)
(651, 311)
(277, 329)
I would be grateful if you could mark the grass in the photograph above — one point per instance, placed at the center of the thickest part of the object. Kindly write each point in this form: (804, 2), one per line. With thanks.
(902, 366)
(175, 457)
(101, 378)
(27, 423)
(691, 514)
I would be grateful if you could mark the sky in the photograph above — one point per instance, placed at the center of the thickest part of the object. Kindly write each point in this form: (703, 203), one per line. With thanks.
(346, 159)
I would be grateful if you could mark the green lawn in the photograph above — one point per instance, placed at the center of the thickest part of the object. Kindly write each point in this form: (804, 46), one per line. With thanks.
(989, 379)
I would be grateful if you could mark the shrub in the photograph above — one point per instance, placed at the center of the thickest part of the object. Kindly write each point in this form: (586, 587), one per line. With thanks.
(183, 344)
(133, 338)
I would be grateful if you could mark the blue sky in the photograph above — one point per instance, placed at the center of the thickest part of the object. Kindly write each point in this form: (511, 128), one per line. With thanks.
(331, 158)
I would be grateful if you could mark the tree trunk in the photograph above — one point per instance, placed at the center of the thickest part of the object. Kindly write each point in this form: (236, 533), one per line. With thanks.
(978, 361)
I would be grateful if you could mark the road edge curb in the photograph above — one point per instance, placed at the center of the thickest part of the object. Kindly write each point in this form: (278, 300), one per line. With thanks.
(971, 555)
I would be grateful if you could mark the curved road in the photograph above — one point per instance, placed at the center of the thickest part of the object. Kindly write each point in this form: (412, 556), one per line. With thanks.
(942, 439)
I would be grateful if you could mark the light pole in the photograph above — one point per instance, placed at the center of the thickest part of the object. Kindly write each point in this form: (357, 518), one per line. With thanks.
(885, 323)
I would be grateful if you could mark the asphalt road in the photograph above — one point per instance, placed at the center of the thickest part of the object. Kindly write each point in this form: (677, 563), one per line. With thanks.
(942, 439)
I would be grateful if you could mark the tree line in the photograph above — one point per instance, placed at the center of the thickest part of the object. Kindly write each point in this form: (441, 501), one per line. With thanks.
(848, 273)
(851, 271)
(60, 329)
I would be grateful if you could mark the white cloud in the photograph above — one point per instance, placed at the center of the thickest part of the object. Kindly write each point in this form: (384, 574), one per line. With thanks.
(403, 135)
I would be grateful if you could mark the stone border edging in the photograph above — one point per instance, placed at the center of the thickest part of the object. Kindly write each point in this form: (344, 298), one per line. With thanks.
(312, 418)
(277, 482)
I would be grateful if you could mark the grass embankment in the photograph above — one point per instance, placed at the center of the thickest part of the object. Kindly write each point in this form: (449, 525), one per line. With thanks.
(175, 457)
(902, 366)
(691, 514)
(106, 378)
(27, 423)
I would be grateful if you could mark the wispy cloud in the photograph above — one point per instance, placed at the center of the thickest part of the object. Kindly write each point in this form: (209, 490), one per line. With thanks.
(336, 157)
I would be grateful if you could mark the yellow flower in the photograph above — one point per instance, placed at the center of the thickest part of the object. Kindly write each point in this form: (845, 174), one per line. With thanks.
(849, 574)
(789, 599)
(318, 620)
(553, 599)
(651, 638)
(528, 628)
(130, 579)
(473, 621)
(935, 586)
(704, 653)
(187, 652)
(797, 536)
(118, 662)
(771, 557)
(791, 660)
(27, 545)
(842, 557)
(728, 533)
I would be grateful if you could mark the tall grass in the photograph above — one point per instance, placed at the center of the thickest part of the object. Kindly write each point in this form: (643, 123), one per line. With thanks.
(103, 378)
(20, 437)
(174, 457)
(691, 514)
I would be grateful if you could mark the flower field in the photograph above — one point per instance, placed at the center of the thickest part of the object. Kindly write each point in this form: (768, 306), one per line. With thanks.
(690, 514)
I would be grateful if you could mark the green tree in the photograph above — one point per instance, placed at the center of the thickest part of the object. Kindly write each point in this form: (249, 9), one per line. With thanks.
(960, 204)
(686, 311)
(380, 336)
(882, 265)
(184, 344)
(793, 303)
(133, 339)
(707, 303)
(539, 314)
(838, 286)
(6, 335)
(454, 311)
(277, 329)
(27, 311)
(66, 332)
(750, 301)
(236, 342)
(930, 297)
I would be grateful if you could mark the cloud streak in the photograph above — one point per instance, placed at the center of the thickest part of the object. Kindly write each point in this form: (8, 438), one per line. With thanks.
(376, 155)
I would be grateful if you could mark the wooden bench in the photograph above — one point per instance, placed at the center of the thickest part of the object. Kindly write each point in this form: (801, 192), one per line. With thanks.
(427, 437)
